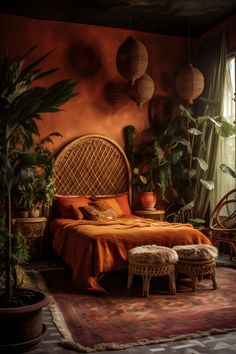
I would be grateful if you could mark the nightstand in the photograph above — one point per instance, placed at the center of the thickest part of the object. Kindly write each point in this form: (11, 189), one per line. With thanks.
(158, 214)
(33, 230)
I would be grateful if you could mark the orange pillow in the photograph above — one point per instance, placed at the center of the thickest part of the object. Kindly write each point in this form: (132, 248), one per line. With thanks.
(63, 204)
(109, 203)
(122, 201)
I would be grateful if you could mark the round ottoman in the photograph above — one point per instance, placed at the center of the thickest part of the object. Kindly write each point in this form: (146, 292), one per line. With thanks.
(152, 261)
(197, 261)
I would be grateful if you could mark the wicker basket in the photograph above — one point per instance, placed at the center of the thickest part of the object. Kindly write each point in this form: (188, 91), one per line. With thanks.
(132, 59)
(189, 83)
(142, 90)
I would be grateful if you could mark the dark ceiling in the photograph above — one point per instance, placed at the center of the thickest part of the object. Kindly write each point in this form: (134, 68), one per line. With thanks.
(170, 17)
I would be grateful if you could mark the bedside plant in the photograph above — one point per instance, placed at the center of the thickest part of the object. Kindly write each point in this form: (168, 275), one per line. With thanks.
(23, 199)
(146, 189)
(35, 189)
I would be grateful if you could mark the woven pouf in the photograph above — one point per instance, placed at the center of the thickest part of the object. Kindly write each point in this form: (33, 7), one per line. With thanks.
(196, 261)
(152, 261)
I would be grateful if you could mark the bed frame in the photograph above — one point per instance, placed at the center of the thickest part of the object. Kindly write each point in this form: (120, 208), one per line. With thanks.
(92, 165)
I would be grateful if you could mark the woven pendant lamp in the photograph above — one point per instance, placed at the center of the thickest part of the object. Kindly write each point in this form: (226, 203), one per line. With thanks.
(142, 90)
(132, 59)
(189, 83)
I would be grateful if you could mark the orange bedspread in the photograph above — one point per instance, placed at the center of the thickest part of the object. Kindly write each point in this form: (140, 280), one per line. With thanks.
(93, 247)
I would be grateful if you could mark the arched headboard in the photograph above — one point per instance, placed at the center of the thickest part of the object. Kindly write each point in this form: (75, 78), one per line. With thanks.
(92, 165)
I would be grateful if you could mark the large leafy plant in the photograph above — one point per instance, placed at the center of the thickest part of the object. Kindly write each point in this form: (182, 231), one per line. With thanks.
(187, 131)
(172, 158)
(21, 106)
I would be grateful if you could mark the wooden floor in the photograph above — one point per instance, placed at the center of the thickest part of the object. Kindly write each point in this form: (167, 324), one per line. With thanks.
(217, 344)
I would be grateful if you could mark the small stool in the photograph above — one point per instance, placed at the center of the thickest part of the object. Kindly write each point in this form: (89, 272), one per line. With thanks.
(196, 261)
(152, 261)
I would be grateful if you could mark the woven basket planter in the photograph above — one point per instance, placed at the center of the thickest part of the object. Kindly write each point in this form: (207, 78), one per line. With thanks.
(189, 83)
(142, 90)
(132, 59)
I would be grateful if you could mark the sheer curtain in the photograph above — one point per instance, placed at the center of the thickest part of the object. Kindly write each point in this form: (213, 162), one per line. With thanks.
(226, 149)
(213, 57)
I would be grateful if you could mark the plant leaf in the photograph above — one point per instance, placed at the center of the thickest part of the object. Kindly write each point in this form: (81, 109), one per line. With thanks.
(226, 129)
(215, 121)
(31, 67)
(194, 131)
(198, 220)
(182, 141)
(203, 164)
(227, 169)
(191, 172)
(175, 156)
(187, 113)
(209, 185)
(143, 179)
(202, 119)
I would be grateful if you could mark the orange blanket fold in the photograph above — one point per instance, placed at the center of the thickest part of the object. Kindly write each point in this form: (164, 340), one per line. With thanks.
(94, 247)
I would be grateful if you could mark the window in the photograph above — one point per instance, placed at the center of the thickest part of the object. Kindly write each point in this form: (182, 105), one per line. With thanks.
(226, 150)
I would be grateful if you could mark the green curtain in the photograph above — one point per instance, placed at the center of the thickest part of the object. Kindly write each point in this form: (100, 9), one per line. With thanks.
(212, 63)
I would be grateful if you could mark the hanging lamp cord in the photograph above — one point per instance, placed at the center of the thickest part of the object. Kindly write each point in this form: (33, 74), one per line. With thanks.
(189, 43)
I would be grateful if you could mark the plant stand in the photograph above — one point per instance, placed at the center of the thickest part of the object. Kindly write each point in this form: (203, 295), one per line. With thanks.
(33, 229)
(157, 214)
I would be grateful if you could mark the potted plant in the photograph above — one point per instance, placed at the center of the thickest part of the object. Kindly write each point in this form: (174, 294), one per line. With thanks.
(154, 159)
(187, 134)
(146, 190)
(21, 105)
(23, 199)
(171, 160)
(36, 189)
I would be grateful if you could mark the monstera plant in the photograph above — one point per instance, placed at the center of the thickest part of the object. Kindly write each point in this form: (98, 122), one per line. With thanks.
(22, 104)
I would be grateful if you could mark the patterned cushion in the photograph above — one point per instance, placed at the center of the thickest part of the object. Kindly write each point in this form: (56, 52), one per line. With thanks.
(90, 212)
(108, 203)
(150, 254)
(196, 252)
(122, 200)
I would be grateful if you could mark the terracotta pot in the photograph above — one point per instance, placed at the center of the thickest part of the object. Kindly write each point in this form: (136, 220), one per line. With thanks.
(35, 213)
(23, 213)
(23, 326)
(148, 200)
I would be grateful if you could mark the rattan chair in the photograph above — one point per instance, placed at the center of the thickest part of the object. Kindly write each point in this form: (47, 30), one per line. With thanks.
(223, 222)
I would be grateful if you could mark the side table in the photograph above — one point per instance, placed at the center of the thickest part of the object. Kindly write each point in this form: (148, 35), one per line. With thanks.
(157, 214)
(33, 230)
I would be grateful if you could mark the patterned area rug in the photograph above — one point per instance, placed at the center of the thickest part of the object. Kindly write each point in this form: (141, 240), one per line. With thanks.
(123, 319)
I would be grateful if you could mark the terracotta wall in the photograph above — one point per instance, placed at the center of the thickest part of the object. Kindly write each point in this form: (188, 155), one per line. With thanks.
(87, 54)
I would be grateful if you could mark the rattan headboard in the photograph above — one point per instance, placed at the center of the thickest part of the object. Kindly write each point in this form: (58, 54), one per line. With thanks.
(92, 165)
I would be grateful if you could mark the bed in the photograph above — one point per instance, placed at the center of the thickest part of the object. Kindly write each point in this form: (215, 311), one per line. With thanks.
(93, 170)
